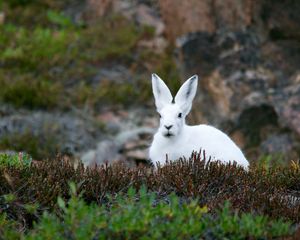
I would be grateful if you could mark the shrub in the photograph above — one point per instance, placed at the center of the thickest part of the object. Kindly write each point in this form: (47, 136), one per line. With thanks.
(119, 42)
(35, 49)
(40, 62)
(7, 228)
(37, 146)
(26, 92)
(112, 93)
(59, 19)
(19, 160)
(31, 12)
(272, 193)
(142, 216)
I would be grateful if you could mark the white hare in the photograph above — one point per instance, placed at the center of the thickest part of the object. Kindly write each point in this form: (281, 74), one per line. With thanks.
(174, 139)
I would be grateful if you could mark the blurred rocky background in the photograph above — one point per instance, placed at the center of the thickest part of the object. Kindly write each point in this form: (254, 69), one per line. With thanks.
(75, 74)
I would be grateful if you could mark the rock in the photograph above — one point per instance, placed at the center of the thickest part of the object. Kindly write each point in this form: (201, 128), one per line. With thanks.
(7, 110)
(115, 73)
(239, 138)
(75, 10)
(137, 155)
(183, 17)
(286, 102)
(129, 144)
(96, 9)
(135, 144)
(127, 147)
(233, 14)
(107, 152)
(282, 19)
(125, 7)
(278, 144)
(135, 134)
(143, 13)
(157, 44)
(278, 19)
(225, 78)
(247, 86)
(147, 16)
(197, 49)
(68, 132)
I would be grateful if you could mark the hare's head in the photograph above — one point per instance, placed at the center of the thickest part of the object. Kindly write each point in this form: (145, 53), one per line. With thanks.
(173, 111)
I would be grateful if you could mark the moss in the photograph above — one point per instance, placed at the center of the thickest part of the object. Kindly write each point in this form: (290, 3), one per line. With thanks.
(39, 147)
(28, 92)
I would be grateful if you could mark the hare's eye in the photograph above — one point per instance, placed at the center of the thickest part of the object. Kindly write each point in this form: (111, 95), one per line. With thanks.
(180, 115)
(159, 115)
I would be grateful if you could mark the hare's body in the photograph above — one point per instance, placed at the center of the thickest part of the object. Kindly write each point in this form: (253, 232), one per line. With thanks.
(216, 145)
(174, 139)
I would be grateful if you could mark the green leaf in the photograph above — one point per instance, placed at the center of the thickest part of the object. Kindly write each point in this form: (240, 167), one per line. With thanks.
(61, 203)
(72, 188)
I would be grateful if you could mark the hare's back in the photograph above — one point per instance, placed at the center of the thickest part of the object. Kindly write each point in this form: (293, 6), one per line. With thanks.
(215, 143)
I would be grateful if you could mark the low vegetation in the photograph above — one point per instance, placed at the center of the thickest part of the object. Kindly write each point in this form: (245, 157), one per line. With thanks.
(39, 147)
(50, 62)
(140, 215)
(21, 160)
(223, 199)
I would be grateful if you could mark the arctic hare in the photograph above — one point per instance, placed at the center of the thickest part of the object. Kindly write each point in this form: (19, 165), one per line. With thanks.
(174, 139)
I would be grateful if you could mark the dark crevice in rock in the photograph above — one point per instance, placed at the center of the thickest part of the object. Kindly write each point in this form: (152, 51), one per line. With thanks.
(252, 120)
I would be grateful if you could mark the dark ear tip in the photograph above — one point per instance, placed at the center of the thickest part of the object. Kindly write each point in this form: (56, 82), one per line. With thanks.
(154, 75)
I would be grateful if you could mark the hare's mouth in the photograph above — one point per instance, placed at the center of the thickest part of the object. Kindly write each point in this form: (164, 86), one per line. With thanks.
(168, 135)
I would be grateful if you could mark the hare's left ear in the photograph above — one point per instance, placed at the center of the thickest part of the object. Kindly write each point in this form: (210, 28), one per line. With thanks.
(186, 94)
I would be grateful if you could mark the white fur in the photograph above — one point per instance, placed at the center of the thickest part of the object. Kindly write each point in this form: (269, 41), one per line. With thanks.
(180, 140)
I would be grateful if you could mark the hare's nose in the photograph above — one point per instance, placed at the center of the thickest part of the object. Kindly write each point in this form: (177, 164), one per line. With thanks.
(168, 127)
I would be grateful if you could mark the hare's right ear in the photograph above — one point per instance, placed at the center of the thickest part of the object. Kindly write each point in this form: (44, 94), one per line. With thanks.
(161, 92)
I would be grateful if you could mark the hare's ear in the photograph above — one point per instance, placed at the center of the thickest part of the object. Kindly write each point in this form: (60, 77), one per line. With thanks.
(161, 92)
(186, 94)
